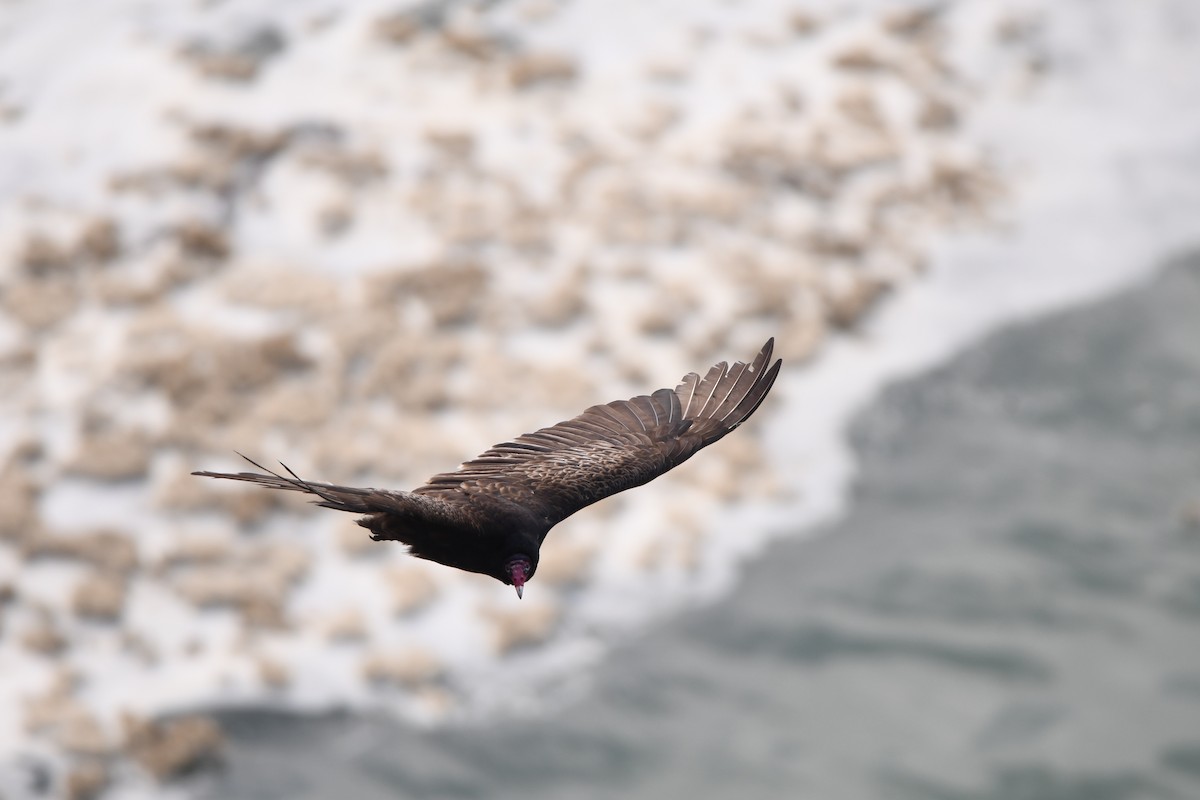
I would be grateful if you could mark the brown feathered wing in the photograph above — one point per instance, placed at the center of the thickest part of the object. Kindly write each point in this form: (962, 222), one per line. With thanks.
(556, 471)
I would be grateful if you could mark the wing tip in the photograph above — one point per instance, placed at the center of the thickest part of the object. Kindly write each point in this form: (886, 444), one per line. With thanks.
(743, 389)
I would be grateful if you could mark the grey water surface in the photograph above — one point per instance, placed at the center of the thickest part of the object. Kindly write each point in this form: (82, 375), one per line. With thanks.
(1010, 610)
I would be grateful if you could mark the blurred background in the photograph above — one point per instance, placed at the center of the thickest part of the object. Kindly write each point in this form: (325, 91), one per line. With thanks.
(955, 555)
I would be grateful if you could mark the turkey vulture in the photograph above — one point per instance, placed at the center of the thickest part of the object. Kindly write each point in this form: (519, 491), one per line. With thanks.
(492, 514)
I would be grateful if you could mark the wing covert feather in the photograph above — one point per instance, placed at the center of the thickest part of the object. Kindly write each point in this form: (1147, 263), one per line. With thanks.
(555, 471)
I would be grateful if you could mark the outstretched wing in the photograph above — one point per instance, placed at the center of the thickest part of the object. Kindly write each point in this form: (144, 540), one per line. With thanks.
(609, 448)
(340, 498)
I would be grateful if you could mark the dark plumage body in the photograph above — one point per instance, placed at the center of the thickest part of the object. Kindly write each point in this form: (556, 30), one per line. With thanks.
(492, 514)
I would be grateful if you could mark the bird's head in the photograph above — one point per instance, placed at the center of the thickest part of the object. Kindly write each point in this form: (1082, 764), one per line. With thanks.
(519, 568)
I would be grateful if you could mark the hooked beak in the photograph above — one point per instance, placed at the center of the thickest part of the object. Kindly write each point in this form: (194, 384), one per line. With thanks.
(518, 572)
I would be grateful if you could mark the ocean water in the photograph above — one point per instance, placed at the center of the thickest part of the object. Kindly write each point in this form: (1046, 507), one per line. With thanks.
(1010, 609)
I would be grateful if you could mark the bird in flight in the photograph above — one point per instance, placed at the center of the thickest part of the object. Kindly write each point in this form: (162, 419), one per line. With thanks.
(492, 514)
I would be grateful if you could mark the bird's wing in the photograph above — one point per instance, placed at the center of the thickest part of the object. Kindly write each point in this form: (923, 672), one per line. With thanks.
(556, 471)
(340, 498)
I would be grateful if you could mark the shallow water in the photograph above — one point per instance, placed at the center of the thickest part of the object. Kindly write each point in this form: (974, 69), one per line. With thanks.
(1011, 609)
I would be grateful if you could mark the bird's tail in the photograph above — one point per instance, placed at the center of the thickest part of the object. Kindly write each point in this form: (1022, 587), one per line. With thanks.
(339, 498)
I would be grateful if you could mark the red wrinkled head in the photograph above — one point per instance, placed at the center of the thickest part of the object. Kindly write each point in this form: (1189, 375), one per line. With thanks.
(519, 569)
